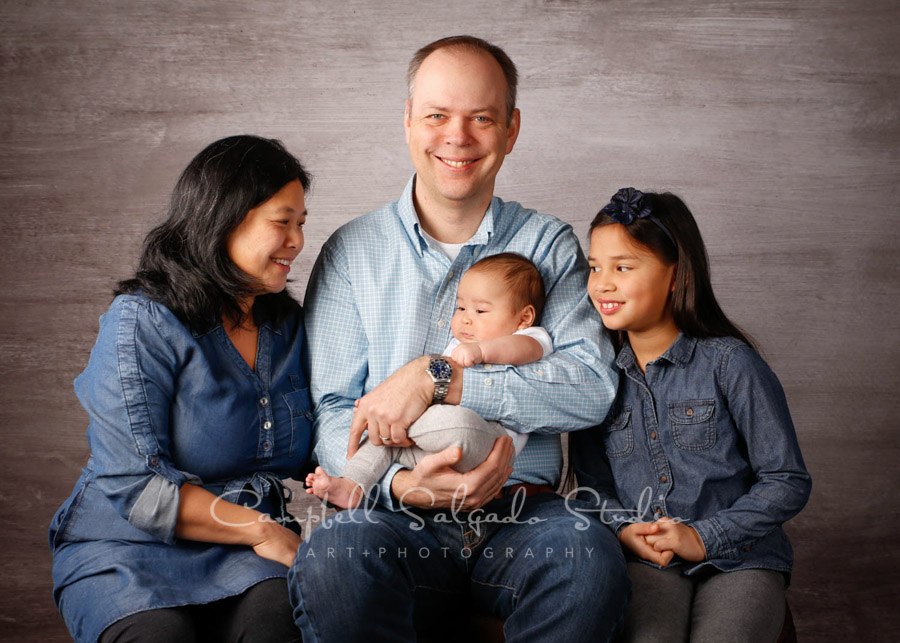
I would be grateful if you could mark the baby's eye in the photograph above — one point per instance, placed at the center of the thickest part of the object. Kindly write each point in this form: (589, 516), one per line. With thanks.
(460, 309)
(480, 311)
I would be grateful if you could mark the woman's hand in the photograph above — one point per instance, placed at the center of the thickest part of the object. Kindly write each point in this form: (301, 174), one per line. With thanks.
(277, 543)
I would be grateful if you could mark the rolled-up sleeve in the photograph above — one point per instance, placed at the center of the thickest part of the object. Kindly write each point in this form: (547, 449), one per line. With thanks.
(127, 390)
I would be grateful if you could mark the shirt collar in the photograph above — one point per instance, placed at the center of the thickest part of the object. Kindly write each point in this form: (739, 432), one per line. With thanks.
(679, 353)
(410, 220)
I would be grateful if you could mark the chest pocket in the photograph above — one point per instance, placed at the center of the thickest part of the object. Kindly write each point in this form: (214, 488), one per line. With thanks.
(619, 435)
(301, 416)
(693, 424)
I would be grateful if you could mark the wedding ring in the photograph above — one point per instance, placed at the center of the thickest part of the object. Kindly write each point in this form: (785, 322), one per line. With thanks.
(384, 439)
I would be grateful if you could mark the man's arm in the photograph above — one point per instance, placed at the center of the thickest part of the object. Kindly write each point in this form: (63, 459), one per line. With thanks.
(573, 387)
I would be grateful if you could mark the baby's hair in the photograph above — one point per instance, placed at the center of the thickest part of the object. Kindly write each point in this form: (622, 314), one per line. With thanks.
(520, 274)
(694, 306)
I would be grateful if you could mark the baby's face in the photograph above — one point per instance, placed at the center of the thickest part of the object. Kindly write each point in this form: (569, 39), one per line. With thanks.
(484, 309)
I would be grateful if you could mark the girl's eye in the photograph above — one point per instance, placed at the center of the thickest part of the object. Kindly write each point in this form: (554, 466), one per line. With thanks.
(623, 268)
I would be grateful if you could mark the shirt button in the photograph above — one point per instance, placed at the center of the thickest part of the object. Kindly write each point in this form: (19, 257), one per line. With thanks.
(267, 425)
(663, 479)
(689, 412)
(264, 401)
(450, 275)
(267, 445)
(486, 365)
(488, 381)
(653, 435)
(659, 511)
(747, 548)
(540, 372)
(476, 251)
(441, 323)
(154, 461)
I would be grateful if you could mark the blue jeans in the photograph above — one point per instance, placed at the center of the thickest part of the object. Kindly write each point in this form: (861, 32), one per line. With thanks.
(385, 575)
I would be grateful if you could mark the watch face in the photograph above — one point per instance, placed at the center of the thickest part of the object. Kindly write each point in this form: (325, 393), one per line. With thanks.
(441, 369)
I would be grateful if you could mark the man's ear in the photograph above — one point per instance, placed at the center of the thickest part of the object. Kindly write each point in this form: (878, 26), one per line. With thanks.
(512, 131)
(527, 317)
(406, 120)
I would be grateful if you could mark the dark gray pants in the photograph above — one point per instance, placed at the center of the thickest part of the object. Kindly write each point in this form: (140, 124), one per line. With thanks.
(713, 606)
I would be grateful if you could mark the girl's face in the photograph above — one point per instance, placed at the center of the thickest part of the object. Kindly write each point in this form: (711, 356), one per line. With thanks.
(629, 285)
(270, 237)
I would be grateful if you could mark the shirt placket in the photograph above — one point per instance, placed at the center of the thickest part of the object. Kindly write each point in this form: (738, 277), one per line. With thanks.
(262, 379)
(652, 435)
(445, 299)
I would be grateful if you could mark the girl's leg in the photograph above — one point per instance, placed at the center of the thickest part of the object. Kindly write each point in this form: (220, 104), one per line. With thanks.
(170, 625)
(263, 613)
(660, 608)
(745, 605)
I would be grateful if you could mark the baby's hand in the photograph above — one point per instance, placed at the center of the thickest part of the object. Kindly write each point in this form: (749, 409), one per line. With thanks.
(635, 535)
(679, 538)
(467, 354)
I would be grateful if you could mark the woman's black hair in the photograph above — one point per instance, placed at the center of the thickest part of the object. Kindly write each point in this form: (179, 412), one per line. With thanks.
(185, 264)
(694, 306)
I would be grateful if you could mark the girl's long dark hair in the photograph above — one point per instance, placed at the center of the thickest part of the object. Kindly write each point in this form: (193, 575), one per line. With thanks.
(184, 264)
(694, 306)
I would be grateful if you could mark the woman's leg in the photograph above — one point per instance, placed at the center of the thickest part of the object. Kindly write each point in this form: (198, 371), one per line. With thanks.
(745, 605)
(660, 608)
(169, 625)
(262, 613)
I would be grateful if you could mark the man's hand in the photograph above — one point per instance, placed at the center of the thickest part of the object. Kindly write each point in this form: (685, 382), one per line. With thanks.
(635, 536)
(388, 409)
(678, 538)
(434, 484)
(467, 354)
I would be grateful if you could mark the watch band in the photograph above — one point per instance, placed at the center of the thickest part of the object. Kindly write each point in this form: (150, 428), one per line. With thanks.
(440, 371)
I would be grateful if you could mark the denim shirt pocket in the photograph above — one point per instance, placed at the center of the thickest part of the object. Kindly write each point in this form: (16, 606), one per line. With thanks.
(693, 424)
(619, 434)
(301, 414)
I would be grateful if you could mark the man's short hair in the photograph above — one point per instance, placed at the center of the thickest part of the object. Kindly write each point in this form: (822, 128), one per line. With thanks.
(473, 44)
(520, 275)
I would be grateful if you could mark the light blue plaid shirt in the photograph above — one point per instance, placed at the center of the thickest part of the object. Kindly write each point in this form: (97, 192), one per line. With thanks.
(379, 296)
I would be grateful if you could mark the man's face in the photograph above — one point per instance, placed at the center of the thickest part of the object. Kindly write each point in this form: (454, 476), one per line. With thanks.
(457, 129)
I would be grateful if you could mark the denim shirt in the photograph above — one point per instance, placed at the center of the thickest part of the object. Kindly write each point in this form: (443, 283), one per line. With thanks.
(168, 405)
(706, 437)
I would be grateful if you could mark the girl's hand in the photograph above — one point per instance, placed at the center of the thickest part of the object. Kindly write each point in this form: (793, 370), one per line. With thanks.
(679, 538)
(635, 536)
(277, 543)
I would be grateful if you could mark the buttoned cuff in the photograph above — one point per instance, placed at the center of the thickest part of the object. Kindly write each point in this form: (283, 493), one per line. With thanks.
(384, 490)
(716, 542)
(483, 389)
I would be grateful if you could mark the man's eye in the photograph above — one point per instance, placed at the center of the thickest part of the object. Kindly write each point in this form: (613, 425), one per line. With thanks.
(435, 116)
(482, 119)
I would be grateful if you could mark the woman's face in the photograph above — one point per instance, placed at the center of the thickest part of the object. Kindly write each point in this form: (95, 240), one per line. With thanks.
(270, 237)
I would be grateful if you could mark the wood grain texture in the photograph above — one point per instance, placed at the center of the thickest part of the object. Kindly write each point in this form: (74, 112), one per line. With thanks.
(776, 120)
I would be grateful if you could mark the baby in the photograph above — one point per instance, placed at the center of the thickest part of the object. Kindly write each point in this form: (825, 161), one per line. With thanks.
(497, 302)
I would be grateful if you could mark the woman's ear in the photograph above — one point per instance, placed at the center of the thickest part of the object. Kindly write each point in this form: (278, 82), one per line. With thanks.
(527, 317)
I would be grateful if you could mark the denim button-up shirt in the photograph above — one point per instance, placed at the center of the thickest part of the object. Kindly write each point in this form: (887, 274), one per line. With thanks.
(167, 406)
(704, 436)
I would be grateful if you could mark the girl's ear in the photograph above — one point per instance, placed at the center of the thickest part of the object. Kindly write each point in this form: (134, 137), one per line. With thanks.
(527, 317)
(674, 278)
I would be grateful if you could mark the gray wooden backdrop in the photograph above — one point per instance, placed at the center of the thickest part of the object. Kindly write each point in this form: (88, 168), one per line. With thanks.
(776, 120)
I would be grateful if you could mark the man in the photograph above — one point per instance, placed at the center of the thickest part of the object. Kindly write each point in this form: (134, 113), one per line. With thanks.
(378, 308)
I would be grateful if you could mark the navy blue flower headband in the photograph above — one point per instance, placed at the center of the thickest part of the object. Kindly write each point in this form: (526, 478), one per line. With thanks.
(629, 204)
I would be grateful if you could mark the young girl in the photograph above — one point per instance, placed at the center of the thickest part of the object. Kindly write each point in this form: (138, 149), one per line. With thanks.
(697, 465)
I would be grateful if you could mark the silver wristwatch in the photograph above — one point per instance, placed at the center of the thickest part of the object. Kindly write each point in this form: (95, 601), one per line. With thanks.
(441, 371)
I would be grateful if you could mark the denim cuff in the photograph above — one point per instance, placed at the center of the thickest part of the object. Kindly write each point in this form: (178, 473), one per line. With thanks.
(715, 541)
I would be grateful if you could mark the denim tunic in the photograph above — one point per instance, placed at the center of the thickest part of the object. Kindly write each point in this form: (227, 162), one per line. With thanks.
(704, 436)
(167, 406)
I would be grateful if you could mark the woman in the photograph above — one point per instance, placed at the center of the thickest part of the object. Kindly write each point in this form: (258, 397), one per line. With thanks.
(198, 407)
